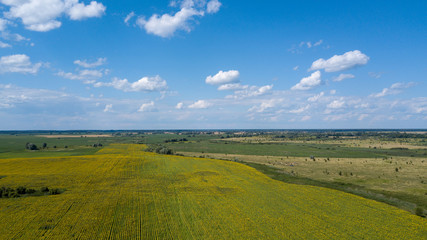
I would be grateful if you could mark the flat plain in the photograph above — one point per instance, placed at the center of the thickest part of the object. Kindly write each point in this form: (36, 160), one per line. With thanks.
(122, 192)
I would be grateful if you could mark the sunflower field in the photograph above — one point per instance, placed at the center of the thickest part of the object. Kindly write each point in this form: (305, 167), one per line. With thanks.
(123, 192)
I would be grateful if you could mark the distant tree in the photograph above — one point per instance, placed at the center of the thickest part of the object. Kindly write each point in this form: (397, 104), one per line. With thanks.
(44, 145)
(31, 146)
(159, 149)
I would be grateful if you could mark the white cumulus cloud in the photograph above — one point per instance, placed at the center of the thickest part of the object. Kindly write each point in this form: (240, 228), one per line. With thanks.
(200, 104)
(337, 63)
(213, 6)
(166, 25)
(310, 82)
(19, 63)
(81, 11)
(179, 105)
(145, 84)
(222, 77)
(336, 104)
(146, 107)
(108, 108)
(42, 15)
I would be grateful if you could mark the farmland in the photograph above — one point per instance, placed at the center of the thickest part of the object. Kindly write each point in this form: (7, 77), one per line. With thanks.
(389, 166)
(122, 192)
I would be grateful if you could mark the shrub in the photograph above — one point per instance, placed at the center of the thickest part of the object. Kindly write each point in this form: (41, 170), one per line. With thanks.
(13, 195)
(44, 189)
(419, 212)
(21, 190)
(30, 191)
(54, 191)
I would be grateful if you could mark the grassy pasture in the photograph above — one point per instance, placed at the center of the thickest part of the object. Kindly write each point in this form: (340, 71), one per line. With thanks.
(410, 143)
(125, 193)
(13, 146)
(293, 149)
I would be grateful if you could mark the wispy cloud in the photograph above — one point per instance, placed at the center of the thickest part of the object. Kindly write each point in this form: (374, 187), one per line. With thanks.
(265, 104)
(343, 76)
(19, 63)
(4, 45)
(396, 88)
(315, 98)
(86, 64)
(297, 48)
(129, 17)
(252, 91)
(300, 110)
(108, 108)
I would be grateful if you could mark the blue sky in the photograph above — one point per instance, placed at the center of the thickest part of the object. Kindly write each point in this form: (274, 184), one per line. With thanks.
(217, 64)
